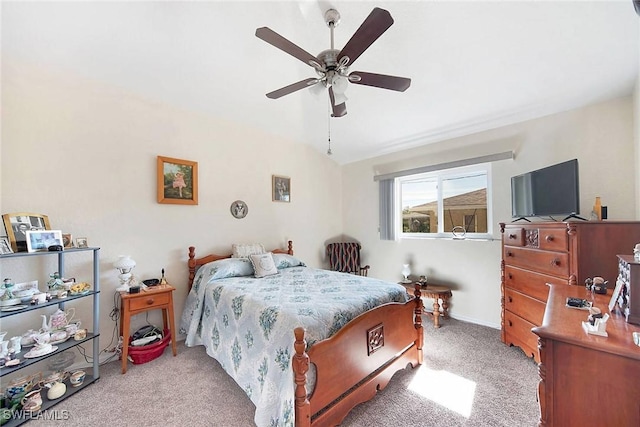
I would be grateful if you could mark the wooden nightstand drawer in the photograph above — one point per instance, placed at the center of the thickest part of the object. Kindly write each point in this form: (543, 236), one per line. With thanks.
(146, 301)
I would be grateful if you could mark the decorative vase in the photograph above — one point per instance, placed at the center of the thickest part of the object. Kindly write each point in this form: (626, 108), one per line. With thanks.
(406, 271)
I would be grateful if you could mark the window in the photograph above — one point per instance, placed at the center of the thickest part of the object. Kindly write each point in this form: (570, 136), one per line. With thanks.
(446, 203)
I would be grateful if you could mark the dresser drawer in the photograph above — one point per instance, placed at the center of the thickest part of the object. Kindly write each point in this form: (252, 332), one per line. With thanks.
(530, 283)
(553, 239)
(513, 236)
(546, 262)
(518, 332)
(146, 301)
(526, 307)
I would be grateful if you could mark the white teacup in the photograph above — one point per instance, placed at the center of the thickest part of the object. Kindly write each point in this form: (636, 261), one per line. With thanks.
(77, 378)
(59, 335)
(39, 297)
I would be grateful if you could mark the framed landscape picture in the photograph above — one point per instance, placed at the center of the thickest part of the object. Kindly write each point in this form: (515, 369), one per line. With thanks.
(17, 225)
(177, 181)
(281, 188)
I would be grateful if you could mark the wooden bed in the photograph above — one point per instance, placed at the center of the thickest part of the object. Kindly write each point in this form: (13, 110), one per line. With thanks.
(370, 348)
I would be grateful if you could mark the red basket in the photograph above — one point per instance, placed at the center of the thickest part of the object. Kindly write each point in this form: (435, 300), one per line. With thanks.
(146, 353)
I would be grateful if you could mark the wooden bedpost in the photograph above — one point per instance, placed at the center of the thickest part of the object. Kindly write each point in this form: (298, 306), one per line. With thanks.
(300, 364)
(290, 247)
(192, 265)
(418, 322)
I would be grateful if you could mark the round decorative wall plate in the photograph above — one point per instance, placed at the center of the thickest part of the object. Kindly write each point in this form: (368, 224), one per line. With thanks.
(239, 209)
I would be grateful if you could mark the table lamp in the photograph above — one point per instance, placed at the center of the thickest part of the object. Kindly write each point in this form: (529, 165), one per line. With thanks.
(124, 265)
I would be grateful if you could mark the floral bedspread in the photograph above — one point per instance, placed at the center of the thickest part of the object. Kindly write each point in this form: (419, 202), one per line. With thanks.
(247, 324)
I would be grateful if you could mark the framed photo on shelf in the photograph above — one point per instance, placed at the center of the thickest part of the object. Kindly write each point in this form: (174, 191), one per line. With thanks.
(67, 240)
(81, 242)
(177, 181)
(5, 246)
(40, 240)
(17, 225)
(281, 188)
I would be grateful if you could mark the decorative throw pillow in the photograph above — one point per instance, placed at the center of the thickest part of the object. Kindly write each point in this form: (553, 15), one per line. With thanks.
(286, 261)
(263, 264)
(243, 251)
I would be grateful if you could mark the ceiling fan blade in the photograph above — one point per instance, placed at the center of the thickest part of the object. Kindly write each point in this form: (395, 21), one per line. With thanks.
(281, 43)
(378, 21)
(380, 80)
(292, 88)
(338, 110)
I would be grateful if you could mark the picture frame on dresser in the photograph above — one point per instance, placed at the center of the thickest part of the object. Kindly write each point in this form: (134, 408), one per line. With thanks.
(17, 224)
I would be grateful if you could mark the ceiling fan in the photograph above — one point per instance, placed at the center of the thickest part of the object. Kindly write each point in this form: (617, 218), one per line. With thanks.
(332, 65)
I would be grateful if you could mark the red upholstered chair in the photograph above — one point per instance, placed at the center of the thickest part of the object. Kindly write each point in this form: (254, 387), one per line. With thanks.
(345, 257)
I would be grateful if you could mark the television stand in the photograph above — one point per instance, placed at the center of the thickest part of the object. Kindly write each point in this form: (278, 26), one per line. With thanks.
(522, 218)
(574, 216)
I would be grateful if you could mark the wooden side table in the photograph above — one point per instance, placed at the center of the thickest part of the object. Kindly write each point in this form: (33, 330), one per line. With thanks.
(153, 298)
(437, 293)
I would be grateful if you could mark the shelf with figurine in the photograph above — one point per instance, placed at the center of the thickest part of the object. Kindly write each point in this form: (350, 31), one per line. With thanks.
(53, 342)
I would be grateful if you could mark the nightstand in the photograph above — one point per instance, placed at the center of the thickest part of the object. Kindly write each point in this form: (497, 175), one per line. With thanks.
(435, 292)
(153, 298)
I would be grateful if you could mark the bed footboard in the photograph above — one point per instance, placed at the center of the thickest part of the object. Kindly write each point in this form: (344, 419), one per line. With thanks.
(356, 362)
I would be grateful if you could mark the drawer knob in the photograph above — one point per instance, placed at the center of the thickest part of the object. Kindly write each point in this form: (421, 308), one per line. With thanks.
(509, 253)
(150, 301)
(510, 323)
(510, 276)
(512, 236)
(555, 262)
(549, 238)
(510, 299)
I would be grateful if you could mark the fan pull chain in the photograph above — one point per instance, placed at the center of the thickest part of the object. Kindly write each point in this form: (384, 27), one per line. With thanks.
(329, 127)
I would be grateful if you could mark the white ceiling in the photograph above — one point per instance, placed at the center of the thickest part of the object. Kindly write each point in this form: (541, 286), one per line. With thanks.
(474, 65)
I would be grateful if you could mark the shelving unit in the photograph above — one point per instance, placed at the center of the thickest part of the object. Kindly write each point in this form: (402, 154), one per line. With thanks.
(91, 377)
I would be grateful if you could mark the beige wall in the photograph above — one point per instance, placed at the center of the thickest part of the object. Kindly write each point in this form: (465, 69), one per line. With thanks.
(600, 136)
(85, 155)
(636, 116)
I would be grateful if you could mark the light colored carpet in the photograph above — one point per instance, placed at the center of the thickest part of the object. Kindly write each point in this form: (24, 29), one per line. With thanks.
(193, 390)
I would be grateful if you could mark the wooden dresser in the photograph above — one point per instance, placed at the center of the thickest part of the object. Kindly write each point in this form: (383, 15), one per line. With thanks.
(561, 253)
(586, 380)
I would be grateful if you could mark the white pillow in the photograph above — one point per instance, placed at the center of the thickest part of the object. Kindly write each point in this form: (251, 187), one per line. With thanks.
(243, 251)
(263, 264)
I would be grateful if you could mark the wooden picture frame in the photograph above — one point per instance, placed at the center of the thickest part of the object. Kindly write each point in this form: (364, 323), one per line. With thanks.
(81, 242)
(5, 246)
(67, 240)
(17, 224)
(177, 181)
(40, 240)
(280, 188)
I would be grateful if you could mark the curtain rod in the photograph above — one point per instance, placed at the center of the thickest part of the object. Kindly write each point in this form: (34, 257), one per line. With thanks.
(505, 155)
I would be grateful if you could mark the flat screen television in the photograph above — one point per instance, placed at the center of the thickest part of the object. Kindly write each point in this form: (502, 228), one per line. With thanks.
(549, 191)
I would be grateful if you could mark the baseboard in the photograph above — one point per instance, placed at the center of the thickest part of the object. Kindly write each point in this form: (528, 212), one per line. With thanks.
(470, 320)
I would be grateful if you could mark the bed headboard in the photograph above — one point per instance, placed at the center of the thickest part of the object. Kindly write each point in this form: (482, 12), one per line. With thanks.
(195, 263)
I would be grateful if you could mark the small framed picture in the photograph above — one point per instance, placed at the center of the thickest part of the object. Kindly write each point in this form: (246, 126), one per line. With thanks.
(81, 242)
(177, 181)
(40, 240)
(67, 240)
(281, 188)
(5, 247)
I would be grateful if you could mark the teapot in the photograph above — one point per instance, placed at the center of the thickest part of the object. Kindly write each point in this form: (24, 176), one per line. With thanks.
(58, 320)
